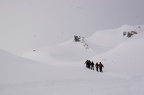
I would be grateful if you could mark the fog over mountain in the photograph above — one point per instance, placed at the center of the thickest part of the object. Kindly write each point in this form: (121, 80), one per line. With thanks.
(39, 23)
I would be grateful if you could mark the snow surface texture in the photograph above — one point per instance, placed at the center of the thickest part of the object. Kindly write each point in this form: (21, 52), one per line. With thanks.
(60, 69)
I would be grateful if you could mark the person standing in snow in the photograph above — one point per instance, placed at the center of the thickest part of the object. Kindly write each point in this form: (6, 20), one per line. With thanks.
(97, 66)
(92, 65)
(88, 64)
(100, 67)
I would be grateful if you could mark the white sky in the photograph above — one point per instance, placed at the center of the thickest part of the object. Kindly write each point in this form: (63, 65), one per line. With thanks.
(45, 19)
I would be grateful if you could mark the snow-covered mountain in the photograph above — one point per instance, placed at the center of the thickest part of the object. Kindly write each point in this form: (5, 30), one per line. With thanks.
(60, 69)
(99, 42)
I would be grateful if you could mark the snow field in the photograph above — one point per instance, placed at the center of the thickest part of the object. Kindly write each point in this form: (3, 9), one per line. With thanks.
(60, 69)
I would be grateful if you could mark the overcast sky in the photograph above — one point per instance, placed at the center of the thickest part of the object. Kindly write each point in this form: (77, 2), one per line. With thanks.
(54, 21)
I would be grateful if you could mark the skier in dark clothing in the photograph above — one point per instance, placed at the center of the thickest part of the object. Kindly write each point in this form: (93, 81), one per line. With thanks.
(97, 66)
(100, 67)
(92, 65)
(88, 64)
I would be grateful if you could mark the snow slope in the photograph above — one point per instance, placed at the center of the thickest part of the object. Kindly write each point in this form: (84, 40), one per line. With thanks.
(99, 42)
(60, 69)
(16, 69)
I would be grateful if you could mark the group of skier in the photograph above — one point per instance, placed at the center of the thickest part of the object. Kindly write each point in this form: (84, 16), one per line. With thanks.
(91, 65)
